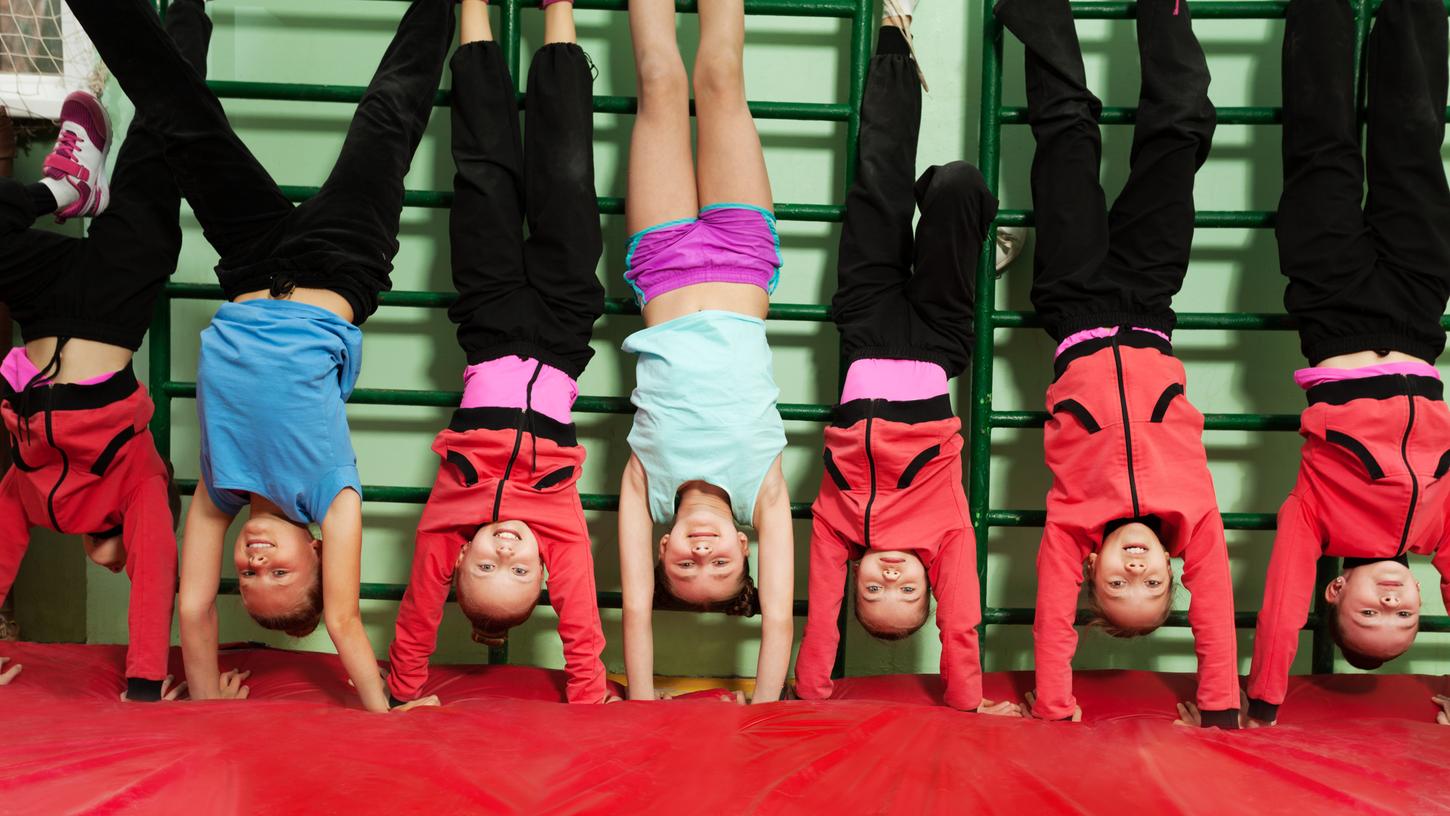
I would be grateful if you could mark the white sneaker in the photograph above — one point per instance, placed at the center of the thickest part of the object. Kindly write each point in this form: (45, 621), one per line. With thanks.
(1010, 241)
(78, 160)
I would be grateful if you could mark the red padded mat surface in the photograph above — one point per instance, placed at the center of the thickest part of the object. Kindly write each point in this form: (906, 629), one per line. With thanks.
(502, 745)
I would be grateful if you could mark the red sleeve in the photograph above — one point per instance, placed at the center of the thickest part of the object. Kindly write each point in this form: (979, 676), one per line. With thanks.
(1059, 578)
(829, 559)
(415, 635)
(1211, 614)
(1442, 565)
(14, 531)
(149, 535)
(958, 612)
(575, 600)
(1288, 593)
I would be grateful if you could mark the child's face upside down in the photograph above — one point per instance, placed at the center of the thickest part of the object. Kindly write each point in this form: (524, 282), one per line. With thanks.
(1378, 608)
(704, 555)
(500, 571)
(891, 593)
(277, 565)
(1132, 578)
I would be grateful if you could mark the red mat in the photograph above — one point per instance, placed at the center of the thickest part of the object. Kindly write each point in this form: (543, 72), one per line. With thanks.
(67, 745)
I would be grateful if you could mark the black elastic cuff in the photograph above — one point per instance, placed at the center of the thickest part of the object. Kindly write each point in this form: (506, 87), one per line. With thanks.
(394, 702)
(891, 40)
(1262, 711)
(141, 690)
(1227, 719)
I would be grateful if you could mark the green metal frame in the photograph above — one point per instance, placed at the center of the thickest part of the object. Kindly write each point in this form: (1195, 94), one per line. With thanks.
(165, 389)
(986, 418)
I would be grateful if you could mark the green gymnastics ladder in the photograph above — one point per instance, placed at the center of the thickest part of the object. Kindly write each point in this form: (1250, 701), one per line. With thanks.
(164, 389)
(985, 418)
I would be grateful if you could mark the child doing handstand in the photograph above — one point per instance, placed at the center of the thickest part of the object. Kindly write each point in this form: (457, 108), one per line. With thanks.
(279, 360)
(891, 499)
(1130, 480)
(505, 506)
(83, 459)
(1367, 285)
(707, 435)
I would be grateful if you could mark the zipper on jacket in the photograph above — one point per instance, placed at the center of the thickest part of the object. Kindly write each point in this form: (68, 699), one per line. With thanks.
(871, 468)
(1405, 455)
(64, 470)
(518, 441)
(1127, 426)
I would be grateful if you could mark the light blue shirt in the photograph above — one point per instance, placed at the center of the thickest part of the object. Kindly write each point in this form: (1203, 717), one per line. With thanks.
(271, 382)
(705, 403)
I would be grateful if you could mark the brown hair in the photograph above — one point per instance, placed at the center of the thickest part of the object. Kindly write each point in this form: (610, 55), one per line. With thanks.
(488, 629)
(1099, 619)
(1353, 656)
(744, 604)
(302, 619)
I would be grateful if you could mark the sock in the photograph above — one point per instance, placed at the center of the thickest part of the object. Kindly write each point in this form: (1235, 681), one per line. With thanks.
(891, 40)
(44, 200)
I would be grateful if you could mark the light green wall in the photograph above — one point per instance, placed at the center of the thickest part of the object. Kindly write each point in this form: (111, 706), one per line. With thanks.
(800, 60)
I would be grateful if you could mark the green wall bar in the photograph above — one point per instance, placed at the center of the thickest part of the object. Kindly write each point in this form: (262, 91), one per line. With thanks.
(1115, 115)
(1203, 10)
(1000, 517)
(1212, 422)
(1208, 219)
(1242, 620)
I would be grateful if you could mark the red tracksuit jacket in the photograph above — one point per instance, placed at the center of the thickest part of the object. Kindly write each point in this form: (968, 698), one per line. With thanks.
(493, 469)
(83, 461)
(1124, 442)
(1370, 486)
(893, 481)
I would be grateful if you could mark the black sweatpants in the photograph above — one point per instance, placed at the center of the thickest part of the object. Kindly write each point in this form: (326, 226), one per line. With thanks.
(1377, 276)
(344, 238)
(1120, 268)
(536, 297)
(103, 287)
(899, 297)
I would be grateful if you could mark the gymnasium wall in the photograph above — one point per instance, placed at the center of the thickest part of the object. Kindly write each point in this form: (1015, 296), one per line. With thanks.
(786, 60)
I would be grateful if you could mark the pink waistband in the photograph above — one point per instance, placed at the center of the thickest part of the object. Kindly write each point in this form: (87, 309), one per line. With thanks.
(17, 370)
(897, 380)
(1307, 378)
(1093, 334)
(504, 383)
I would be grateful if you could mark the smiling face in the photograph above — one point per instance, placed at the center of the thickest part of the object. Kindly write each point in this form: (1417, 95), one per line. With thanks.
(279, 569)
(106, 552)
(1131, 580)
(1376, 610)
(892, 593)
(703, 557)
(499, 576)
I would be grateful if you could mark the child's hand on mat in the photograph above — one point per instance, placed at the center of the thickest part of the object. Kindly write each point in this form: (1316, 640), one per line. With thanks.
(613, 698)
(169, 693)
(1032, 698)
(1005, 708)
(230, 685)
(431, 701)
(1442, 716)
(1189, 716)
(8, 674)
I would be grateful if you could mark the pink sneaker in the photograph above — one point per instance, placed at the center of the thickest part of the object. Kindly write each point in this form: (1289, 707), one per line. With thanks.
(78, 159)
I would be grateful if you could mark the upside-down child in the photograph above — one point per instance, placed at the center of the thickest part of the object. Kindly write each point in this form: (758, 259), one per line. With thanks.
(83, 458)
(707, 435)
(1131, 487)
(1367, 285)
(281, 357)
(891, 499)
(505, 506)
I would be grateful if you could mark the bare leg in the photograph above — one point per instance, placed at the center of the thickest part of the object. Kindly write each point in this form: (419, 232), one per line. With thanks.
(731, 163)
(559, 23)
(473, 24)
(661, 171)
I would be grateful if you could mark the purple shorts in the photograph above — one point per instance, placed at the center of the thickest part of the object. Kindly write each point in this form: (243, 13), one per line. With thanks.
(727, 243)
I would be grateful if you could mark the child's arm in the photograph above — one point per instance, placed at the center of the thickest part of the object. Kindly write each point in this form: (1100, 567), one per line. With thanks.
(830, 558)
(777, 585)
(415, 634)
(150, 541)
(1059, 577)
(341, 610)
(958, 612)
(14, 532)
(636, 577)
(575, 599)
(203, 539)
(1441, 561)
(1288, 594)
(1211, 614)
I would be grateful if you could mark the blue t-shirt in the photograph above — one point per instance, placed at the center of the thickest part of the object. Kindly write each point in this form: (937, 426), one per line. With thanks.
(705, 403)
(271, 382)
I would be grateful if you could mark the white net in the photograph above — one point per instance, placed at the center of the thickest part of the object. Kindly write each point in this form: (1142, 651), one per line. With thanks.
(44, 55)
